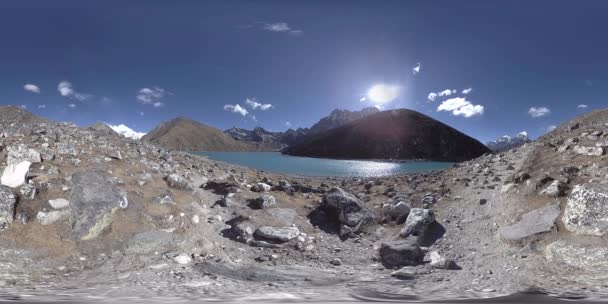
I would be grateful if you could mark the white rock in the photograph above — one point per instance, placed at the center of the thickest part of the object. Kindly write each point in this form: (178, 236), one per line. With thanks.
(182, 259)
(47, 218)
(589, 151)
(59, 203)
(14, 175)
(196, 219)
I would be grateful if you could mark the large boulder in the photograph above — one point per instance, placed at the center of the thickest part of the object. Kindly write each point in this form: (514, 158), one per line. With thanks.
(93, 201)
(8, 200)
(14, 175)
(417, 222)
(400, 253)
(584, 257)
(586, 211)
(534, 222)
(349, 210)
(20, 153)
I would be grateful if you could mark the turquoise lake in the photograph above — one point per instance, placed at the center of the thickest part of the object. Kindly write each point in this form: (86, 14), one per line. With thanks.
(285, 164)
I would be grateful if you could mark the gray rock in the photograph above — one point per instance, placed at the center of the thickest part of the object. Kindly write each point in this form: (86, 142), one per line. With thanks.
(440, 262)
(93, 201)
(28, 191)
(264, 201)
(115, 154)
(351, 211)
(588, 151)
(59, 203)
(400, 253)
(277, 234)
(586, 211)
(50, 217)
(588, 258)
(536, 221)
(261, 187)
(396, 213)
(520, 177)
(417, 222)
(556, 188)
(177, 181)
(7, 206)
(20, 153)
(64, 148)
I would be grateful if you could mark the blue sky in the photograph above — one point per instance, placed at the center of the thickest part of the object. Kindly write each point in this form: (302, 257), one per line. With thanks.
(530, 64)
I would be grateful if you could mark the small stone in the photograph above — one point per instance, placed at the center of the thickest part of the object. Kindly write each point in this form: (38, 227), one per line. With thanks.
(59, 203)
(336, 262)
(182, 259)
(261, 187)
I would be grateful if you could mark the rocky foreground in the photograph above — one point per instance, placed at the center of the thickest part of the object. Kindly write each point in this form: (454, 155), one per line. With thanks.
(85, 212)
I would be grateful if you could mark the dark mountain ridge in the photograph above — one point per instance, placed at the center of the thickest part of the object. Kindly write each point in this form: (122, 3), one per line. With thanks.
(394, 134)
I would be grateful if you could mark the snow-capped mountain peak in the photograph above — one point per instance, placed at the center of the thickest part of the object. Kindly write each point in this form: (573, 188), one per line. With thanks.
(126, 131)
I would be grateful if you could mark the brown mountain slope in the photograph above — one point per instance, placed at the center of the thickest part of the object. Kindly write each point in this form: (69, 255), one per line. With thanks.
(394, 134)
(188, 135)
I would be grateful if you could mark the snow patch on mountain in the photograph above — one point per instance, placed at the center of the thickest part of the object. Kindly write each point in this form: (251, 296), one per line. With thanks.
(507, 142)
(126, 131)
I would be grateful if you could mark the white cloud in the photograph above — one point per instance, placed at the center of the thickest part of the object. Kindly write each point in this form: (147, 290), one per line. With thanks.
(41, 106)
(23, 106)
(288, 124)
(582, 106)
(126, 131)
(141, 113)
(459, 106)
(152, 96)
(236, 109)
(432, 96)
(362, 99)
(467, 91)
(66, 89)
(72, 105)
(539, 112)
(416, 69)
(252, 103)
(446, 92)
(551, 128)
(281, 27)
(31, 88)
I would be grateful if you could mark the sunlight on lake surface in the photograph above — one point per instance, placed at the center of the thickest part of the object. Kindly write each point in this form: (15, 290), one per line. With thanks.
(285, 164)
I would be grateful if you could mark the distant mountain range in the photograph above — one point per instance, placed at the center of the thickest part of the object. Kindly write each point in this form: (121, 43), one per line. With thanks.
(507, 142)
(281, 140)
(392, 134)
(365, 134)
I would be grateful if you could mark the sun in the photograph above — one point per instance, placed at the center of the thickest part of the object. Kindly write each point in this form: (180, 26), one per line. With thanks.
(383, 93)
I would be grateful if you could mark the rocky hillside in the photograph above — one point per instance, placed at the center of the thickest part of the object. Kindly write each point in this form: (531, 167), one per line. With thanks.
(507, 142)
(394, 134)
(87, 214)
(185, 134)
